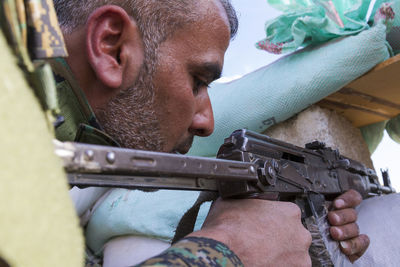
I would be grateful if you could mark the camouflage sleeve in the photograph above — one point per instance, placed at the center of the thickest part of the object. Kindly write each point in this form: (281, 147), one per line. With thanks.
(45, 38)
(195, 251)
(32, 25)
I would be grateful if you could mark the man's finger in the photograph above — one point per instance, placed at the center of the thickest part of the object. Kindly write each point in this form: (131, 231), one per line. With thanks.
(355, 248)
(350, 199)
(342, 217)
(342, 233)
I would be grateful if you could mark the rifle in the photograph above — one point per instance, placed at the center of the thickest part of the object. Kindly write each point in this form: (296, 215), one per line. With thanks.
(248, 164)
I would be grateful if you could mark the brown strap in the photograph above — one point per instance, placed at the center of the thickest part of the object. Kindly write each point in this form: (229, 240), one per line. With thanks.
(188, 220)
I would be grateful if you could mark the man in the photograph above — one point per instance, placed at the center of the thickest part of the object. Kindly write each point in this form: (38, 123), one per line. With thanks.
(144, 67)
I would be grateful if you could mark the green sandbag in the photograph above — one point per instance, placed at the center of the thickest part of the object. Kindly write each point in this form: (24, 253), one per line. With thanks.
(373, 135)
(393, 36)
(393, 129)
(280, 90)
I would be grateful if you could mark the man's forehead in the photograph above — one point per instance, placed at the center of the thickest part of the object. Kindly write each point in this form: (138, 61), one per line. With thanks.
(212, 8)
(201, 44)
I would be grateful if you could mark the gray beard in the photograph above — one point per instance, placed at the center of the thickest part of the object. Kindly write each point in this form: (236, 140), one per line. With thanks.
(130, 117)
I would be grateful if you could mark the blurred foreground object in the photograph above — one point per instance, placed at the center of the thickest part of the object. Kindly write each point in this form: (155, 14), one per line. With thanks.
(38, 225)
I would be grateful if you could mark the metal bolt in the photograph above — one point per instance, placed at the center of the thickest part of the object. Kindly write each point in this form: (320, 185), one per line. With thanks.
(267, 175)
(89, 155)
(252, 169)
(201, 183)
(271, 172)
(275, 165)
(110, 157)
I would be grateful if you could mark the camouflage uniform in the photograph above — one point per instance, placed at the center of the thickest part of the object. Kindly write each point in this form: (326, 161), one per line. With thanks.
(195, 251)
(79, 124)
(32, 31)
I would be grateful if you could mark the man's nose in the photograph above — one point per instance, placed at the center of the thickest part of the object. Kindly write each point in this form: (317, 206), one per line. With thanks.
(203, 119)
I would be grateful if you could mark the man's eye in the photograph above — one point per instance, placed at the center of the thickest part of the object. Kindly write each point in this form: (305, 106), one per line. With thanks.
(199, 84)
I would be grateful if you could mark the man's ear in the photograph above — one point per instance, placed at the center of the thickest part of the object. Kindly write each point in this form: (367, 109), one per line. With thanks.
(114, 46)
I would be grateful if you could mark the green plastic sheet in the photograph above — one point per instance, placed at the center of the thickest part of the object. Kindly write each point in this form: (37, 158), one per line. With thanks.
(393, 36)
(309, 22)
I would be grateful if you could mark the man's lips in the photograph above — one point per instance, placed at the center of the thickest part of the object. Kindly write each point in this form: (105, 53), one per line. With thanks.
(183, 147)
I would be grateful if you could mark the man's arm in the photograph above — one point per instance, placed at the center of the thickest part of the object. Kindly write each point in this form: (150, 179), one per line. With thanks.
(258, 232)
(254, 232)
(195, 251)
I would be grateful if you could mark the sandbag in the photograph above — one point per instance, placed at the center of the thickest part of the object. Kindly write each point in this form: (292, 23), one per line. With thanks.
(393, 36)
(280, 90)
(379, 217)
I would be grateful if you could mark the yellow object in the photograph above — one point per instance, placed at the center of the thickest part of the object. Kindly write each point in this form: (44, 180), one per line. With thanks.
(372, 98)
(38, 224)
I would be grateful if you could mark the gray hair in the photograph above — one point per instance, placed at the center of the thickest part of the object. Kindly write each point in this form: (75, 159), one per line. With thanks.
(157, 19)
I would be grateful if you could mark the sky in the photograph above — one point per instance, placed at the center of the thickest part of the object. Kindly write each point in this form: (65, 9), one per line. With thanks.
(242, 57)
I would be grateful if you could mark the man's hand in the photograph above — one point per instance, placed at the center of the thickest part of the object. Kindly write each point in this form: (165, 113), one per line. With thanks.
(260, 232)
(344, 227)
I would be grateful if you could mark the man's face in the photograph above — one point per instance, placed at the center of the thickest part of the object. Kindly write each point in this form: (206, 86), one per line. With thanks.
(163, 111)
(187, 62)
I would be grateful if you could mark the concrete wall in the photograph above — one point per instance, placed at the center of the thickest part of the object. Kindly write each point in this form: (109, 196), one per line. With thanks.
(316, 123)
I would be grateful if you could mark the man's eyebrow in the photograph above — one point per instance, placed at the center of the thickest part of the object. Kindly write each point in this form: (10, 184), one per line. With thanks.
(212, 71)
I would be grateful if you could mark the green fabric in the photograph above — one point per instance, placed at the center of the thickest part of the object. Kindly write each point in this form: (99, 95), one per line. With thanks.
(394, 35)
(195, 251)
(14, 32)
(393, 129)
(43, 79)
(80, 123)
(71, 111)
(340, 5)
(146, 214)
(91, 135)
(396, 8)
(314, 22)
(373, 135)
(38, 225)
(36, 20)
